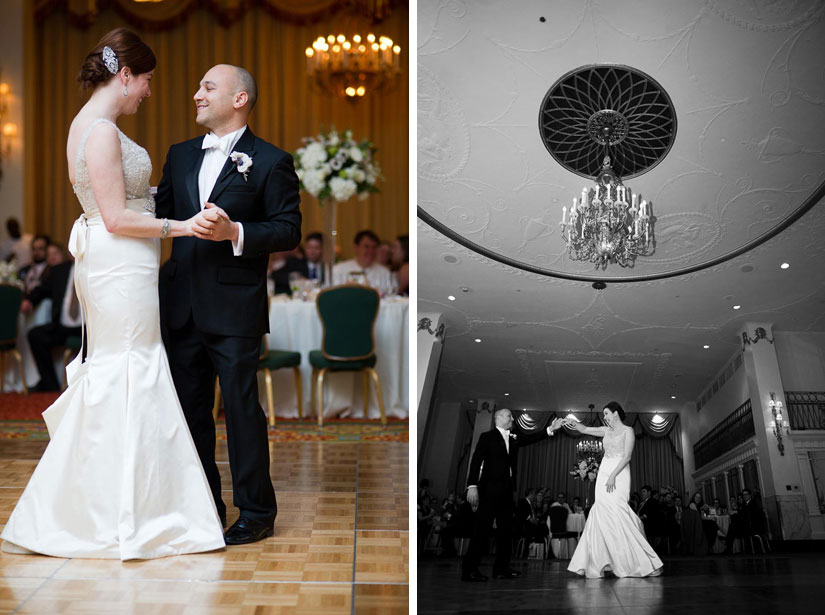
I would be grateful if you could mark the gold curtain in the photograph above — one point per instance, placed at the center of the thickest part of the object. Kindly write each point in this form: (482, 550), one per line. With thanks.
(288, 109)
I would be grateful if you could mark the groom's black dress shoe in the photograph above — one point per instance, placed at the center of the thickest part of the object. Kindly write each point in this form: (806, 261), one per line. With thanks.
(506, 574)
(474, 576)
(222, 517)
(244, 531)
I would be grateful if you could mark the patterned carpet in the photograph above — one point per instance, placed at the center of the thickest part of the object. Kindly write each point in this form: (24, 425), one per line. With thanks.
(20, 420)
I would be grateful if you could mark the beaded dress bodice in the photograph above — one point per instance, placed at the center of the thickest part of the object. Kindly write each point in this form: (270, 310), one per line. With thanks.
(614, 442)
(137, 168)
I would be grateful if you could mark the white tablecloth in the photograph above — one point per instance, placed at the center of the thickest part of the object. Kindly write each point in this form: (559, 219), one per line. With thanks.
(296, 326)
(40, 316)
(575, 522)
(723, 521)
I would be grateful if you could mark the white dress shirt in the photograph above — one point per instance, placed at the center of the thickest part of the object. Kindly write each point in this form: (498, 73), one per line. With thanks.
(505, 433)
(378, 276)
(213, 162)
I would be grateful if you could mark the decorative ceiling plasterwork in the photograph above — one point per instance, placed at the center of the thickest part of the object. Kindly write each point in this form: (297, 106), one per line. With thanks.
(750, 101)
(748, 153)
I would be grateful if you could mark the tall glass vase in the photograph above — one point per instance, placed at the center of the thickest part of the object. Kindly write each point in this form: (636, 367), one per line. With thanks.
(329, 212)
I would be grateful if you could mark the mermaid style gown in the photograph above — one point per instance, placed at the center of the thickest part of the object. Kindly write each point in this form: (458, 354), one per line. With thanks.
(613, 537)
(120, 477)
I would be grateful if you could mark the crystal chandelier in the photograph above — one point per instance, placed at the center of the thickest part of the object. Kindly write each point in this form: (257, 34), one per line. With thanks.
(351, 68)
(609, 224)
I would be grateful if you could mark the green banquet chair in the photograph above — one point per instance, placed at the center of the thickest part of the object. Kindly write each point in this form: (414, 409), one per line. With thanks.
(269, 361)
(10, 299)
(348, 314)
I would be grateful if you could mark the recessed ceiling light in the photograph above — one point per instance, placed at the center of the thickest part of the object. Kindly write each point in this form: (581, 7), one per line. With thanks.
(672, 397)
(478, 340)
(784, 266)
(705, 346)
(736, 307)
(451, 297)
(506, 394)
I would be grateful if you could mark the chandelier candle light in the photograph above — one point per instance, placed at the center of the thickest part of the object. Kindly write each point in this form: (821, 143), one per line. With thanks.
(778, 424)
(351, 68)
(609, 224)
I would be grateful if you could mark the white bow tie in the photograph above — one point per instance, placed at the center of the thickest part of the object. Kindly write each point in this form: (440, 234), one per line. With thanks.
(213, 141)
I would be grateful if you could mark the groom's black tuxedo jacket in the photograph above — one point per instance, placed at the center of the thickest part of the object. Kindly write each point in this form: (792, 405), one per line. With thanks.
(226, 294)
(499, 470)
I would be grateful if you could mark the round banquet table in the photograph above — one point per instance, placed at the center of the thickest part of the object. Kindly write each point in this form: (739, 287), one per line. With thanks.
(723, 521)
(295, 325)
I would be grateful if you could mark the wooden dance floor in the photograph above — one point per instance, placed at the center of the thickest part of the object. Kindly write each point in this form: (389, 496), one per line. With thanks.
(340, 544)
(775, 584)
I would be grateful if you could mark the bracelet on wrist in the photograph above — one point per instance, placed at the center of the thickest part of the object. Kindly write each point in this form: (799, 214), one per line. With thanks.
(165, 228)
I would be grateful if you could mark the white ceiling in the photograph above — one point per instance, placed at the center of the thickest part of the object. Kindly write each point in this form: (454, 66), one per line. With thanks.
(747, 81)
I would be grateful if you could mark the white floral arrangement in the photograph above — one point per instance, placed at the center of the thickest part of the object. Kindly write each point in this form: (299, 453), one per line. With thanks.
(8, 274)
(333, 165)
(586, 469)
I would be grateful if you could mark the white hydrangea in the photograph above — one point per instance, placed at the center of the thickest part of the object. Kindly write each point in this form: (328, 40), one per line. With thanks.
(314, 154)
(314, 182)
(333, 138)
(358, 175)
(342, 189)
(356, 154)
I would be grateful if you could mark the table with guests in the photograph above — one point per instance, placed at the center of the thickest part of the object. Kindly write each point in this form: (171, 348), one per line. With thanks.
(50, 314)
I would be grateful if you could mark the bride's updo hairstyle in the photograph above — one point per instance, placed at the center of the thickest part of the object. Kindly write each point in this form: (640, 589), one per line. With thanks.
(129, 50)
(614, 406)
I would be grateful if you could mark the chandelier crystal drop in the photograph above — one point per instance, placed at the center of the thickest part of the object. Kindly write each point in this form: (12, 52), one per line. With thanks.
(609, 224)
(353, 67)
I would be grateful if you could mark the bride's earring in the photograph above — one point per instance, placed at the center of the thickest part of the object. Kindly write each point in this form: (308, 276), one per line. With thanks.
(125, 91)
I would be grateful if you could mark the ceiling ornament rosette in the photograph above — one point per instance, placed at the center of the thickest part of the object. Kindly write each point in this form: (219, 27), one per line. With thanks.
(717, 148)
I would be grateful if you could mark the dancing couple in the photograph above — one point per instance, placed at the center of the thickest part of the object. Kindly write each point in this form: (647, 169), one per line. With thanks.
(130, 471)
(613, 539)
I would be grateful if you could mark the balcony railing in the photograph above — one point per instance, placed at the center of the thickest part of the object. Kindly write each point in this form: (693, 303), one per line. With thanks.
(734, 430)
(806, 409)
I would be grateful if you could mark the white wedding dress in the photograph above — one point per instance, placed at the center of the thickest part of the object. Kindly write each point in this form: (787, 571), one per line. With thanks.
(120, 477)
(613, 537)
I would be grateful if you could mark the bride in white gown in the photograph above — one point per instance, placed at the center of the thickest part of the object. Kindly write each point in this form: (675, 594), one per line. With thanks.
(120, 477)
(613, 538)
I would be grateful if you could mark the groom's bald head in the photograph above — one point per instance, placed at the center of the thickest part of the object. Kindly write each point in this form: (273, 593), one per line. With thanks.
(246, 83)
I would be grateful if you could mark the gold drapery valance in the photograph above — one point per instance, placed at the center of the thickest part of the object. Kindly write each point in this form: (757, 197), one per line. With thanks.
(165, 14)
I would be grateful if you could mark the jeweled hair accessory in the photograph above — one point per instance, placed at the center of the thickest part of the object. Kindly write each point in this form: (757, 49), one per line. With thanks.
(110, 60)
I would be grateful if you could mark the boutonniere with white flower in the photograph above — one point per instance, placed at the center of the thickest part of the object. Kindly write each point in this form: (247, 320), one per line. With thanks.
(512, 435)
(242, 162)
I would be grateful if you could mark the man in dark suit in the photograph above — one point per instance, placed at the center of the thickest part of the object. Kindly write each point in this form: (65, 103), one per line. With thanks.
(490, 490)
(57, 285)
(651, 515)
(310, 266)
(215, 301)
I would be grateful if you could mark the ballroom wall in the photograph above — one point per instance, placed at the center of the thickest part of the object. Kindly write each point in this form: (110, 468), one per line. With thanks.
(271, 45)
(801, 358)
(11, 72)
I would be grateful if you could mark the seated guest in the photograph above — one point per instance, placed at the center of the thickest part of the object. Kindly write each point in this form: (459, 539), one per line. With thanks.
(401, 264)
(716, 507)
(561, 500)
(55, 255)
(32, 274)
(17, 248)
(58, 286)
(425, 515)
(527, 519)
(634, 500)
(709, 526)
(383, 254)
(378, 276)
(749, 520)
(651, 515)
(459, 525)
(576, 506)
(278, 272)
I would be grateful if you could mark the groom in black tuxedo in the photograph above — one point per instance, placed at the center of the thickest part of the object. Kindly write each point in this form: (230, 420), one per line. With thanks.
(491, 488)
(214, 296)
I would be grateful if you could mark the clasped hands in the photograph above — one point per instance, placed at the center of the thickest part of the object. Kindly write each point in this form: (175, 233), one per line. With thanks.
(213, 224)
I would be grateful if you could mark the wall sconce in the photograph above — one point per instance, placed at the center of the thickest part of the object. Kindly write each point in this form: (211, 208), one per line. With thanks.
(778, 424)
(8, 130)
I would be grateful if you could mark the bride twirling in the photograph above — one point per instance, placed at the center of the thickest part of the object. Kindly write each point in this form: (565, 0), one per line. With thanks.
(613, 538)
